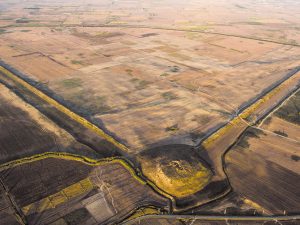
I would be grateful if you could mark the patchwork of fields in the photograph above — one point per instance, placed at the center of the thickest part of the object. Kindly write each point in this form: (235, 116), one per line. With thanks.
(111, 111)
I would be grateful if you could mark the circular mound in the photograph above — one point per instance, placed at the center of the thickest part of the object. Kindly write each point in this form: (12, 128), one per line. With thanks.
(175, 169)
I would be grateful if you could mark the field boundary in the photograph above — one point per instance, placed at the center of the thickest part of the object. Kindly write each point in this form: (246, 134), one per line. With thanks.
(72, 157)
(192, 218)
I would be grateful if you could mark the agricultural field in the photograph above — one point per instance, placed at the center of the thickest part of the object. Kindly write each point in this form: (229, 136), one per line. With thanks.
(285, 121)
(133, 76)
(150, 221)
(130, 111)
(7, 212)
(78, 192)
(42, 135)
(263, 167)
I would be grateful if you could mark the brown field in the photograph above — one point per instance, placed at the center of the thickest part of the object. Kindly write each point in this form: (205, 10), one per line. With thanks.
(159, 222)
(82, 140)
(7, 212)
(41, 134)
(44, 65)
(282, 127)
(157, 78)
(211, 222)
(262, 168)
(50, 190)
(141, 75)
(230, 205)
(140, 86)
(285, 121)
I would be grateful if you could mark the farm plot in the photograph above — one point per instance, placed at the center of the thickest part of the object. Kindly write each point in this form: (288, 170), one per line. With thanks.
(175, 87)
(25, 131)
(7, 212)
(282, 127)
(152, 89)
(262, 167)
(159, 222)
(45, 69)
(53, 190)
(83, 140)
(285, 121)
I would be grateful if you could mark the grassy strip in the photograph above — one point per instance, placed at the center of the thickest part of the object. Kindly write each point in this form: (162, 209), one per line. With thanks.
(73, 157)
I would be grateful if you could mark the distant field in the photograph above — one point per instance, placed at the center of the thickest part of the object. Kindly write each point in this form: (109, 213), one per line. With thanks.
(174, 87)
(133, 80)
(125, 77)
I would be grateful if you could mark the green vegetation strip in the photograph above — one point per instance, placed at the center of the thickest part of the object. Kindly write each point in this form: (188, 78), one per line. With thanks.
(73, 157)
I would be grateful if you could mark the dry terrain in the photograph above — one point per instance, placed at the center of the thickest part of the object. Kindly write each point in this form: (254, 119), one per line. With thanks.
(125, 76)
(263, 167)
(7, 212)
(175, 221)
(54, 189)
(285, 121)
(115, 109)
(24, 131)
